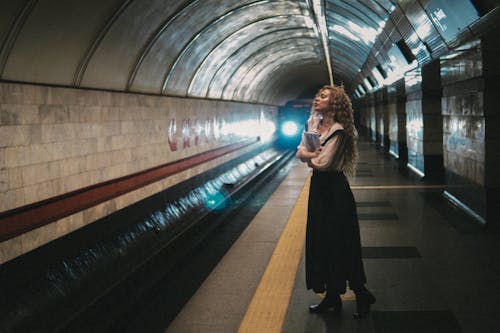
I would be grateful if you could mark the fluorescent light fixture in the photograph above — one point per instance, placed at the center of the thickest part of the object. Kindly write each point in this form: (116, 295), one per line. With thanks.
(323, 31)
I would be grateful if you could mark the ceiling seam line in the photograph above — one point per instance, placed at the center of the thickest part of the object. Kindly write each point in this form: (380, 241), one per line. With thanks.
(84, 62)
(13, 33)
(319, 9)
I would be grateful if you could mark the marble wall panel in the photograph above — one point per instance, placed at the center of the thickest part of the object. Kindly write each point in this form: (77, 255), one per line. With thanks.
(464, 127)
(55, 140)
(414, 134)
(463, 64)
(361, 115)
(373, 122)
(393, 129)
(46, 131)
(379, 125)
(28, 241)
(396, 95)
(464, 141)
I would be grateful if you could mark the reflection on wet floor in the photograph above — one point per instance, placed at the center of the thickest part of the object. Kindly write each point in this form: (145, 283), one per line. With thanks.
(431, 267)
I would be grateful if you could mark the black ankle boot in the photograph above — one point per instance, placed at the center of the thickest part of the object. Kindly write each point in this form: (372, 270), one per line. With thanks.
(364, 298)
(329, 302)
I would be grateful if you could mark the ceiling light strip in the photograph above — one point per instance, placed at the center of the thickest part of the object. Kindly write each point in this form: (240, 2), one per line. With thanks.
(319, 13)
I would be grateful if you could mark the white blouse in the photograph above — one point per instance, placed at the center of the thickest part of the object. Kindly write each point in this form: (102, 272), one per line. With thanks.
(327, 160)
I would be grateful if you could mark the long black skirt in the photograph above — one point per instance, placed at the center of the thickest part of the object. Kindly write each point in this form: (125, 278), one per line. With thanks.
(333, 245)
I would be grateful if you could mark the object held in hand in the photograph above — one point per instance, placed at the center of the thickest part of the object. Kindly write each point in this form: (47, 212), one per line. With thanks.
(311, 141)
(313, 122)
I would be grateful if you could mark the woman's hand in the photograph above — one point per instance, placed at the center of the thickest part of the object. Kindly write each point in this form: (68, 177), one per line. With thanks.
(313, 155)
(306, 156)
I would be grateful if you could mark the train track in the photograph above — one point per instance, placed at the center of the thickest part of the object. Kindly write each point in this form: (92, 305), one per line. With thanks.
(106, 284)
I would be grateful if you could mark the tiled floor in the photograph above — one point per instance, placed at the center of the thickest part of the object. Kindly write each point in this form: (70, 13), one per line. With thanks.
(428, 275)
(431, 268)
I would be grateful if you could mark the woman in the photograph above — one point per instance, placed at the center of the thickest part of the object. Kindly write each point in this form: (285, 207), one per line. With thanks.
(333, 246)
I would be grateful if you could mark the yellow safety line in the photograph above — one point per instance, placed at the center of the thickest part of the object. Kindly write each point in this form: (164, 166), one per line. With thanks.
(394, 187)
(267, 310)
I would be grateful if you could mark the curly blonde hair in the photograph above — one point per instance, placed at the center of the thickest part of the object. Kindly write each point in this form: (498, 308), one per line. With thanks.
(342, 112)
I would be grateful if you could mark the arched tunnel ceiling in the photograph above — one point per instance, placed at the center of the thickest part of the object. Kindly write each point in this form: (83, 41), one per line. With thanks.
(266, 51)
(353, 27)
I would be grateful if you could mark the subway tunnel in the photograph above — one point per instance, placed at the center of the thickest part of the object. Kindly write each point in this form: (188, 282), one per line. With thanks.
(142, 150)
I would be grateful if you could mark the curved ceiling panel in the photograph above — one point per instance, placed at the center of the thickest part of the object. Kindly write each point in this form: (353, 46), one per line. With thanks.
(235, 72)
(253, 25)
(245, 50)
(250, 54)
(53, 38)
(291, 80)
(274, 28)
(11, 13)
(176, 36)
(247, 17)
(117, 51)
(353, 27)
(257, 75)
(212, 83)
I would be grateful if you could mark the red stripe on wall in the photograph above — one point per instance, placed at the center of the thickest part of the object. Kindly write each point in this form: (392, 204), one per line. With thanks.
(20, 220)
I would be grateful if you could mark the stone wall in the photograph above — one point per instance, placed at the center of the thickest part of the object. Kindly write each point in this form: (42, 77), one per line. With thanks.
(57, 140)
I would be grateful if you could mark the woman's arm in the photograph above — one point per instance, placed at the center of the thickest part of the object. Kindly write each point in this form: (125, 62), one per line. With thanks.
(306, 156)
(331, 157)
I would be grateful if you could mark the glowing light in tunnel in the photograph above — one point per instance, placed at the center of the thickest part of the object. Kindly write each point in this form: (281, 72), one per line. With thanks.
(289, 128)
(262, 128)
(216, 201)
(267, 130)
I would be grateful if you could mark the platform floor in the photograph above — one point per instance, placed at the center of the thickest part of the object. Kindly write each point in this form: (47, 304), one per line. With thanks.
(431, 267)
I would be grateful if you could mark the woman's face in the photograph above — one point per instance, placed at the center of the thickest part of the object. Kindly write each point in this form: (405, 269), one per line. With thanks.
(322, 101)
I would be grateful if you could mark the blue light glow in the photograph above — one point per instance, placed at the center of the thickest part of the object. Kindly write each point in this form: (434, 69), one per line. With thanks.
(289, 128)
(216, 201)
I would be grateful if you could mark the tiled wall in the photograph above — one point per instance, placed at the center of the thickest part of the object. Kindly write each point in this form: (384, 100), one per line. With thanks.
(459, 142)
(393, 129)
(383, 112)
(382, 115)
(397, 120)
(415, 131)
(372, 116)
(56, 140)
(380, 126)
(464, 127)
